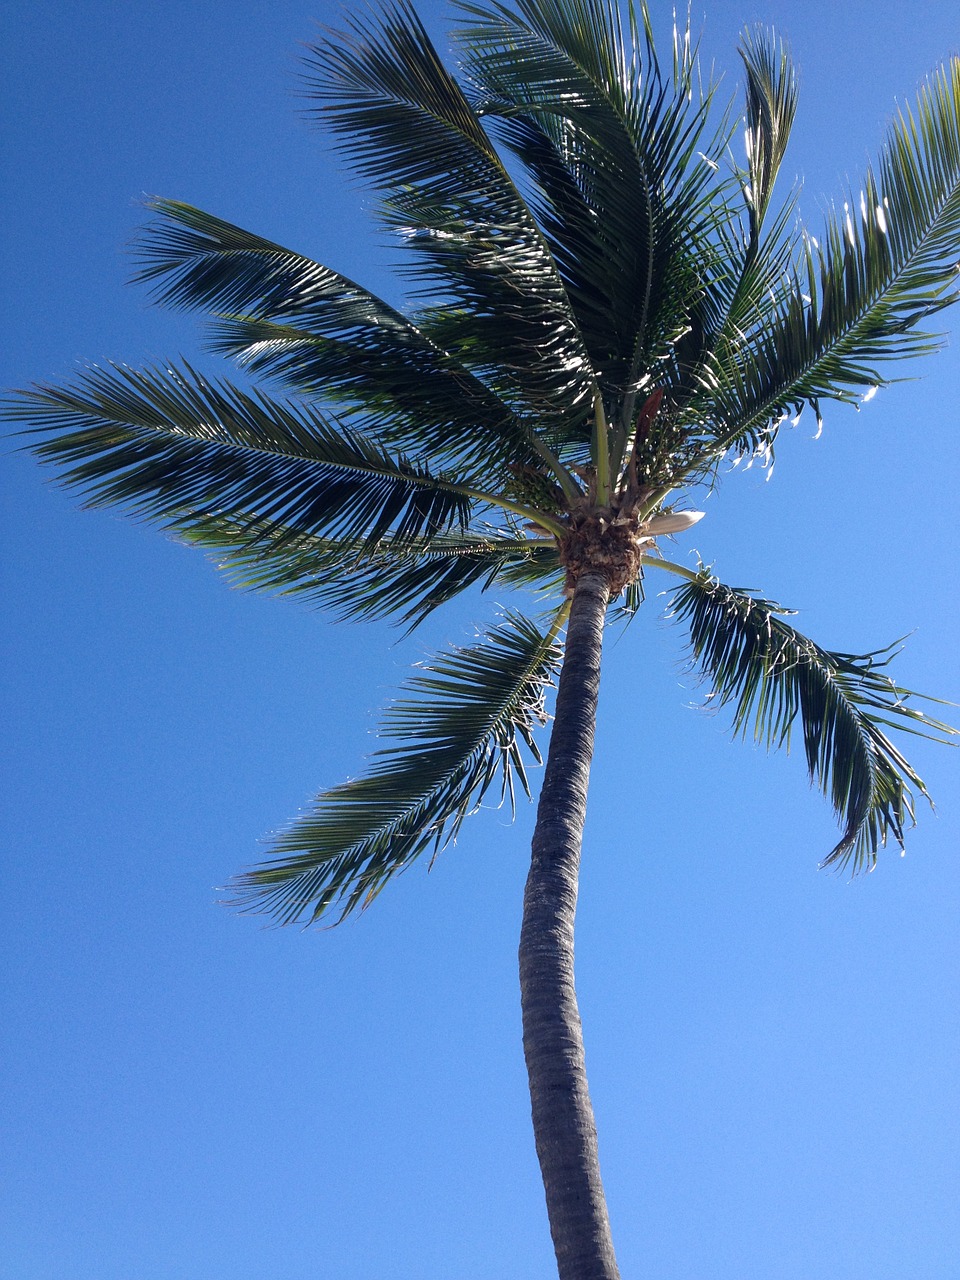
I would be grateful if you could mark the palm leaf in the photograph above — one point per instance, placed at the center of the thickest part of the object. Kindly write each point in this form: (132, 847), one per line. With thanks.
(743, 278)
(886, 264)
(771, 93)
(322, 333)
(407, 126)
(461, 731)
(414, 396)
(404, 580)
(174, 446)
(625, 199)
(772, 676)
(742, 272)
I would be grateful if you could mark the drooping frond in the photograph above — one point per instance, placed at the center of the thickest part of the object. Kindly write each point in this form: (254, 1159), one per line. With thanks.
(172, 446)
(460, 731)
(774, 677)
(407, 126)
(885, 264)
(287, 316)
(404, 581)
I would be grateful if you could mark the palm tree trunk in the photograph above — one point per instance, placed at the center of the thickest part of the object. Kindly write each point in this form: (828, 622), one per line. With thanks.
(563, 1122)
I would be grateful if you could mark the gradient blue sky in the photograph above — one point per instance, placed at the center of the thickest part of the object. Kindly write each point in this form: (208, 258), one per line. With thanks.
(773, 1051)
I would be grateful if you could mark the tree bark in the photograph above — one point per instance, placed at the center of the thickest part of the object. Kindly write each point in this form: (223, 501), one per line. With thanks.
(563, 1123)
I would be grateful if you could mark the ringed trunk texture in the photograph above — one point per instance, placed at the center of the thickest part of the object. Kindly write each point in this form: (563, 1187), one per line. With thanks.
(563, 1123)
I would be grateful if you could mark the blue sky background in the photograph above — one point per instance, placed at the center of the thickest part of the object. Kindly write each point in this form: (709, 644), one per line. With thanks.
(187, 1096)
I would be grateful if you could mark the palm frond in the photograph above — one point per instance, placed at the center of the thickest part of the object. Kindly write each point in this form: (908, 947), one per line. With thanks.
(622, 159)
(773, 676)
(885, 265)
(753, 260)
(192, 259)
(173, 446)
(407, 126)
(771, 90)
(749, 257)
(461, 729)
(285, 315)
(742, 274)
(404, 580)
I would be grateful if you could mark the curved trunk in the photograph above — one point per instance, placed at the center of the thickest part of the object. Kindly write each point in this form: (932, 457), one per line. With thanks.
(563, 1123)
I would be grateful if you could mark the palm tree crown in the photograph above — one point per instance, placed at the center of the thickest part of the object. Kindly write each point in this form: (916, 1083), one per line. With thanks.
(608, 306)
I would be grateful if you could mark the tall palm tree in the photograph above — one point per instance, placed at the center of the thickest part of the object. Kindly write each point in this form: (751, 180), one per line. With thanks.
(608, 308)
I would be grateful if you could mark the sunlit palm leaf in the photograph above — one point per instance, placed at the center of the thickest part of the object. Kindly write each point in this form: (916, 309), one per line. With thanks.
(743, 282)
(173, 446)
(752, 256)
(773, 677)
(627, 199)
(886, 263)
(741, 290)
(405, 581)
(407, 126)
(460, 732)
(771, 91)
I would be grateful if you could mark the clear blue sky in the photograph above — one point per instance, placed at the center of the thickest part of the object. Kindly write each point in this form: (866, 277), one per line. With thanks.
(773, 1051)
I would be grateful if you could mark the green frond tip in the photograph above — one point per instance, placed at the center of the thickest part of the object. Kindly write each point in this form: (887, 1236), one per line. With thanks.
(460, 730)
(771, 90)
(771, 675)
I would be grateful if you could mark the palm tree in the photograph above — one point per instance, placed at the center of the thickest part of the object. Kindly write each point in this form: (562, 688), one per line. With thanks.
(608, 308)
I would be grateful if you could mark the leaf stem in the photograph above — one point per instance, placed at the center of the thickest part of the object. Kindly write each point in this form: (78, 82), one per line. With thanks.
(532, 514)
(601, 451)
(657, 562)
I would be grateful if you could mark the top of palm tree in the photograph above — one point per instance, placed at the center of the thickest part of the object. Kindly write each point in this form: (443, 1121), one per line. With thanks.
(606, 305)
